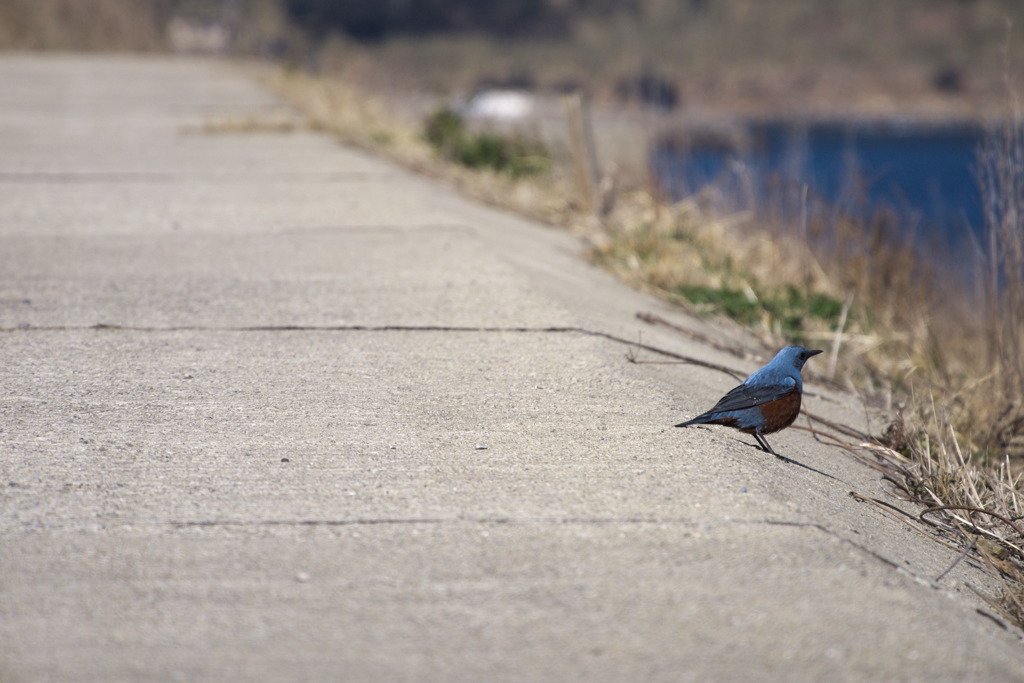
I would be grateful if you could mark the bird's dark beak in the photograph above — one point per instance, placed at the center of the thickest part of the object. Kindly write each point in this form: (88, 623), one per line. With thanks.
(814, 352)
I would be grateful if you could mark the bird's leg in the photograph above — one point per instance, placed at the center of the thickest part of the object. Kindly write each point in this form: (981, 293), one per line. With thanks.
(768, 449)
(763, 444)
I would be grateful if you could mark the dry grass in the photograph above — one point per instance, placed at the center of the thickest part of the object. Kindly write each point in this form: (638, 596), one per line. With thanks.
(355, 116)
(1002, 182)
(975, 506)
(277, 122)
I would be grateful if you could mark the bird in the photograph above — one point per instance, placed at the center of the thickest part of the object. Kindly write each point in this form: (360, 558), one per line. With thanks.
(767, 401)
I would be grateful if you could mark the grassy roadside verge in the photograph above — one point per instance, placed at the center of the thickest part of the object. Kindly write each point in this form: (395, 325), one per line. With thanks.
(951, 361)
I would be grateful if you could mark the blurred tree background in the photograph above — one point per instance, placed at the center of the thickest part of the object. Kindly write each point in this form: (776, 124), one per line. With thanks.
(733, 53)
(367, 20)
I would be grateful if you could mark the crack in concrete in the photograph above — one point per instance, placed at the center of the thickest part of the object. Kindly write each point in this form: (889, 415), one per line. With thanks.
(568, 329)
(558, 521)
(399, 521)
(497, 521)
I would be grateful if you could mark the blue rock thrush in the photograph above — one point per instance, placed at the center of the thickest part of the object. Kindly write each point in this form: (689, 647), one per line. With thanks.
(766, 402)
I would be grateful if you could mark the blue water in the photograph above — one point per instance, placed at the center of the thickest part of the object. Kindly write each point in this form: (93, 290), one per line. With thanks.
(926, 175)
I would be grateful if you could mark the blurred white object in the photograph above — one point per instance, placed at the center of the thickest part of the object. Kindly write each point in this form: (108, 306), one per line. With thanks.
(499, 106)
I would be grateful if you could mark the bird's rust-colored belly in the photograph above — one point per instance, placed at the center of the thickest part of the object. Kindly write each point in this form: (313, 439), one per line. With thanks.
(781, 413)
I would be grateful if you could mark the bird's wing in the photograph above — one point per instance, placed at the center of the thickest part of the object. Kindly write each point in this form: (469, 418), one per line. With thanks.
(750, 395)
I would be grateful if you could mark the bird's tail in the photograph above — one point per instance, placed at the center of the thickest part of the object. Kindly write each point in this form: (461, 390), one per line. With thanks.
(699, 420)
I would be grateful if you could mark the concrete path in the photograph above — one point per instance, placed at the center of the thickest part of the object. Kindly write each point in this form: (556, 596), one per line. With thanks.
(247, 381)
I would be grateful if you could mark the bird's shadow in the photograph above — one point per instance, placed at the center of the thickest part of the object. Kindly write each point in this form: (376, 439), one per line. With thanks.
(789, 460)
(782, 457)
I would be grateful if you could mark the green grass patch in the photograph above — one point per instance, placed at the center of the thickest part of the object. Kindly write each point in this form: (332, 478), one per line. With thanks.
(789, 309)
(515, 156)
(724, 300)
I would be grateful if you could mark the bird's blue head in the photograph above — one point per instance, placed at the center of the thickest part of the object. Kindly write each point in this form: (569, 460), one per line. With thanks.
(794, 356)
